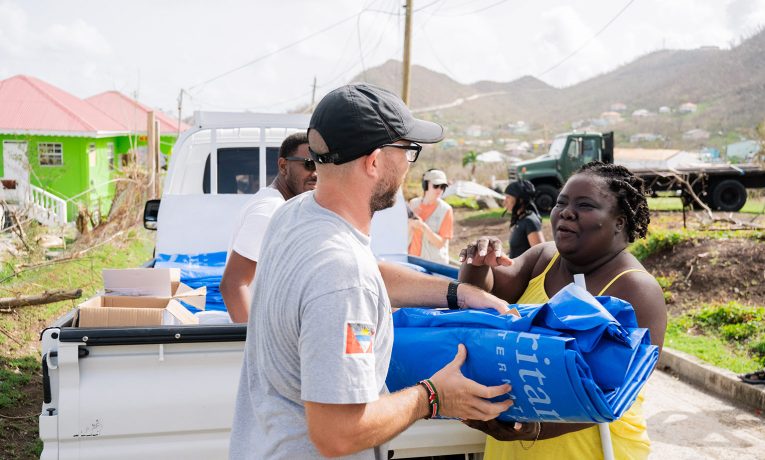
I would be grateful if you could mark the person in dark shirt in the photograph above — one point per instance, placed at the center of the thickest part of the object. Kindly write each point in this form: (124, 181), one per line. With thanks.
(525, 223)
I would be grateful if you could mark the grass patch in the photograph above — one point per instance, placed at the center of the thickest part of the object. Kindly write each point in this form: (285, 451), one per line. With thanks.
(665, 203)
(459, 202)
(710, 349)
(85, 273)
(730, 335)
(14, 375)
(488, 214)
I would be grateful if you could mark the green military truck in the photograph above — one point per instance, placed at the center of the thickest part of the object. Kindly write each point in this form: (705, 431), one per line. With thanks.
(721, 186)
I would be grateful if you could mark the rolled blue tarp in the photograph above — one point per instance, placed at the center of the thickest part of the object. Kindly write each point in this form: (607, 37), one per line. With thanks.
(199, 270)
(577, 358)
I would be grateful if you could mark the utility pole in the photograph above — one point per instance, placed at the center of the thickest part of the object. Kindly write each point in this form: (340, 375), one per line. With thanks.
(313, 92)
(407, 51)
(152, 154)
(180, 108)
(150, 157)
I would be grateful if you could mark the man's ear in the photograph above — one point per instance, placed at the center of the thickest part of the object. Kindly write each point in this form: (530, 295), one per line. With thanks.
(282, 164)
(372, 163)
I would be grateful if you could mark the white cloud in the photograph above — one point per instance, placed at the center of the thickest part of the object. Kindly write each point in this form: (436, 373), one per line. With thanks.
(746, 16)
(76, 37)
(87, 47)
(565, 40)
(13, 23)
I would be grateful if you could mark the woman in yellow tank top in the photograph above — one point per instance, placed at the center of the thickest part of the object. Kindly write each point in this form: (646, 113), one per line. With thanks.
(600, 210)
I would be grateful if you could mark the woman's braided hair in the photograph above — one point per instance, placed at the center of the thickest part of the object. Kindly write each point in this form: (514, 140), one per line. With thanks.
(630, 195)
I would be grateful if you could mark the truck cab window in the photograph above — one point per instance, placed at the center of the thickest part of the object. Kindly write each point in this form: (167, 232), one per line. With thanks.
(590, 150)
(573, 149)
(239, 170)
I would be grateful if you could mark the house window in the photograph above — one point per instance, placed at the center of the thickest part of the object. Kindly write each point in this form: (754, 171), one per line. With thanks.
(110, 156)
(50, 153)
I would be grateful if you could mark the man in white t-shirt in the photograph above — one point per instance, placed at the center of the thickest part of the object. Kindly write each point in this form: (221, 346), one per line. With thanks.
(297, 174)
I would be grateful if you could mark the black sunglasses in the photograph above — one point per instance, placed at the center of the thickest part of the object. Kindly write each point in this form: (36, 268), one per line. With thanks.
(308, 163)
(412, 150)
(441, 186)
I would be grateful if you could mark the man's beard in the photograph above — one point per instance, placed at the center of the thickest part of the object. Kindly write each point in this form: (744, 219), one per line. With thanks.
(383, 195)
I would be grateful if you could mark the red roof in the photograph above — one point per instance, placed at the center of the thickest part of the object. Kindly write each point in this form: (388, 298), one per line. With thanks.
(132, 113)
(31, 105)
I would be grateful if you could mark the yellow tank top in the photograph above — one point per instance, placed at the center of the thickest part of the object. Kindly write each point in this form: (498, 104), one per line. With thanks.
(628, 434)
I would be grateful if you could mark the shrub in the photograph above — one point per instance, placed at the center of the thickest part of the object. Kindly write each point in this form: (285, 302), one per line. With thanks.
(732, 312)
(657, 241)
(739, 331)
(758, 348)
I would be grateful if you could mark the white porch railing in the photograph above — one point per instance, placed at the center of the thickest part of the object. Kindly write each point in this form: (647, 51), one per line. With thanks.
(45, 207)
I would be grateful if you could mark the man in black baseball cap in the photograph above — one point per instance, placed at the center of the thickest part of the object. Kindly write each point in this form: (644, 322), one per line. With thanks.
(354, 120)
(321, 333)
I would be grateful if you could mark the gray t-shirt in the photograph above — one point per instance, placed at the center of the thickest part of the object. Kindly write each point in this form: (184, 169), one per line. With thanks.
(320, 330)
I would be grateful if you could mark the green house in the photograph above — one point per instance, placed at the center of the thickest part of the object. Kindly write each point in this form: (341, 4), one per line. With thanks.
(59, 152)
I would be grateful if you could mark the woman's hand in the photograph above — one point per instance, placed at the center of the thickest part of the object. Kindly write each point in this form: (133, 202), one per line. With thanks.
(486, 250)
(510, 431)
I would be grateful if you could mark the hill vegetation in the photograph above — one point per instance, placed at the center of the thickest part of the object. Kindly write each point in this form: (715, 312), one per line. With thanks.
(727, 85)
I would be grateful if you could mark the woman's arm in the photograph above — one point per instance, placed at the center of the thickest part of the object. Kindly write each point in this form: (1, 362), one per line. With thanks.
(535, 238)
(643, 292)
(433, 238)
(485, 265)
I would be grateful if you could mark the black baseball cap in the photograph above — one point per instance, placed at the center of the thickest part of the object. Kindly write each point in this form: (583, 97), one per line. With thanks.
(356, 119)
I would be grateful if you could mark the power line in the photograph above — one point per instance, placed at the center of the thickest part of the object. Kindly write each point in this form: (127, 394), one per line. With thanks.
(358, 37)
(585, 44)
(426, 6)
(260, 58)
(328, 82)
(484, 8)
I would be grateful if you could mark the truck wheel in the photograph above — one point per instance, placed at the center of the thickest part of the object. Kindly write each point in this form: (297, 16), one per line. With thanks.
(546, 197)
(729, 195)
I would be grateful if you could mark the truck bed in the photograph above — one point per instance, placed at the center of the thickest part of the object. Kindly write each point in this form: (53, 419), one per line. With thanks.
(168, 392)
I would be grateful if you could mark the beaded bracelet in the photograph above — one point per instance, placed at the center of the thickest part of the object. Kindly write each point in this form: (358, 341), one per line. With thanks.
(433, 400)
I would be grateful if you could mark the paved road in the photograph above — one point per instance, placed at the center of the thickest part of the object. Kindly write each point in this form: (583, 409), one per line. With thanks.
(686, 423)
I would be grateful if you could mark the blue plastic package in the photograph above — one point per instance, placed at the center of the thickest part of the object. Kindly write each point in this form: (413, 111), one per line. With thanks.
(577, 358)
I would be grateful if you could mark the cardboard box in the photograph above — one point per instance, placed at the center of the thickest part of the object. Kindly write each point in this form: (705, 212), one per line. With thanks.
(141, 297)
(120, 311)
(161, 283)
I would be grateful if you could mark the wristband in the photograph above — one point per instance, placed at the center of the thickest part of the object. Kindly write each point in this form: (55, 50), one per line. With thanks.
(432, 397)
(451, 296)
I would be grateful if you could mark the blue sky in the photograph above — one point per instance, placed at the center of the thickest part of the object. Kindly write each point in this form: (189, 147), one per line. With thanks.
(156, 48)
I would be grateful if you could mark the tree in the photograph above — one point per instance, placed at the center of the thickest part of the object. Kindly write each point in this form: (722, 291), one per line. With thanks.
(470, 158)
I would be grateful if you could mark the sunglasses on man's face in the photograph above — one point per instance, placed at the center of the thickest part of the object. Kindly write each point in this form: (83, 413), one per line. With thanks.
(441, 186)
(308, 163)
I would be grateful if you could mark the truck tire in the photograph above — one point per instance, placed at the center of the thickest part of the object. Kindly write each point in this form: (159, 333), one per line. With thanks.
(546, 197)
(729, 195)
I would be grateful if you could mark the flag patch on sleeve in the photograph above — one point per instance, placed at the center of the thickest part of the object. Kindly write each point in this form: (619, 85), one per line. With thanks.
(359, 338)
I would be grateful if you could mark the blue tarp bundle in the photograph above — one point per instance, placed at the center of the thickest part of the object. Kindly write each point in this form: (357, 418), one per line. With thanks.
(199, 270)
(577, 358)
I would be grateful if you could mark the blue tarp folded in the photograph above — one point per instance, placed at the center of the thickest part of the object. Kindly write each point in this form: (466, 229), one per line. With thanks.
(577, 358)
(199, 270)
(206, 269)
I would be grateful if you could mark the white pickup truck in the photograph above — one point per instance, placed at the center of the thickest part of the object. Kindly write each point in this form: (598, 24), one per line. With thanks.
(168, 392)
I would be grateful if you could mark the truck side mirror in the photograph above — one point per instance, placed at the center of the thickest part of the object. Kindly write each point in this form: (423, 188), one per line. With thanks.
(150, 213)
